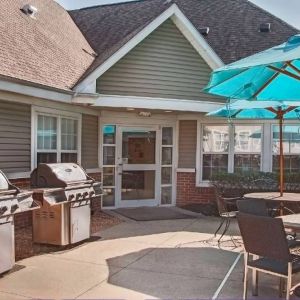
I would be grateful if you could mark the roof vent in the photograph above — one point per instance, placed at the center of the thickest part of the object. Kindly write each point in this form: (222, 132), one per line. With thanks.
(204, 30)
(265, 27)
(29, 10)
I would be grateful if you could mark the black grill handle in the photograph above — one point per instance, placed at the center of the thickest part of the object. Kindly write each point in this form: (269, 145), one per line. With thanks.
(13, 187)
(90, 178)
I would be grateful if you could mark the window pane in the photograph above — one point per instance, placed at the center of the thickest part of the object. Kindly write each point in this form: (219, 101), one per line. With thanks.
(109, 134)
(246, 162)
(108, 198)
(108, 155)
(69, 157)
(213, 164)
(108, 176)
(166, 175)
(291, 163)
(167, 156)
(47, 133)
(138, 185)
(215, 138)
(167, 136)
(247, 139)
(291, 139)
(166, 195)
(138, 146)
(46, 158)
(69, 134)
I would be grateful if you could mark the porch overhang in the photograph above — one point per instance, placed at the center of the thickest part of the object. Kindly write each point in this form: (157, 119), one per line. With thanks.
(133, 102)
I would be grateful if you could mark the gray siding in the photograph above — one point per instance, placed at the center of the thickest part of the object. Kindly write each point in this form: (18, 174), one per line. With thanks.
(15, 137)
(89, 148)
(187, 144)
(164, 65)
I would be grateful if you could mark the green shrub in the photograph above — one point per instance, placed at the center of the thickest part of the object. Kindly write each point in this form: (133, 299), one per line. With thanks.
(238, 184)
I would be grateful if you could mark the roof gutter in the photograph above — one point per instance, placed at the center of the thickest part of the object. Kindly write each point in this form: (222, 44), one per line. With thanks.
(24, 87)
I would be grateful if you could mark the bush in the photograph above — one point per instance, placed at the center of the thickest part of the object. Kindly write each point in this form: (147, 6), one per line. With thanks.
(238, 184)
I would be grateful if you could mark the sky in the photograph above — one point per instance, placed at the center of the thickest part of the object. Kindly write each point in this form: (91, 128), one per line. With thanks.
(288, 10)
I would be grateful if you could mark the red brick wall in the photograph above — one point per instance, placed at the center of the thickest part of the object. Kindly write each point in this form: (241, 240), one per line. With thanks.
(22, 183)
(188, 193)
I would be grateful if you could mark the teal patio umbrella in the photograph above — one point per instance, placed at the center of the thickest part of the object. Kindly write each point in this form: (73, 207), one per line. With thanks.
(280, 110)
(273, 74)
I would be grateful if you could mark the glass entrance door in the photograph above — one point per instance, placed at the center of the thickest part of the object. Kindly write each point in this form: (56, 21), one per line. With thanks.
(137, 166)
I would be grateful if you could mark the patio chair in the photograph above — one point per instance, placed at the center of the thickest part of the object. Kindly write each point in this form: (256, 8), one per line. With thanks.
(253, 206)
(265, 239)
(226, 213)
(259, 208)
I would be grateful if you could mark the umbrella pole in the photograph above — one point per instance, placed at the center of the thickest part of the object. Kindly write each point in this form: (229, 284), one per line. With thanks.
(281, 160)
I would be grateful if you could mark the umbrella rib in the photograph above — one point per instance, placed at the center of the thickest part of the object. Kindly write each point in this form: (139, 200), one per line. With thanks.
(268, 82)
(285, 72)
(289, 63)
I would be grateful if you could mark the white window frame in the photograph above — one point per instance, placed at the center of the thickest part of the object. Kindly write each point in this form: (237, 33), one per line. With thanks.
(131, 119)
(265, 165)
(35, 112)
(172, 185)
(249, 153)
(290, 123)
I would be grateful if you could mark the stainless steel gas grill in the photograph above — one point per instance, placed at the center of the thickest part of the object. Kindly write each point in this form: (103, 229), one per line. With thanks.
(12, 201)
(64, 191)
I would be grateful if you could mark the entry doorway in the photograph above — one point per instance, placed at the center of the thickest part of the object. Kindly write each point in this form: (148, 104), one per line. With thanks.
(138, 165)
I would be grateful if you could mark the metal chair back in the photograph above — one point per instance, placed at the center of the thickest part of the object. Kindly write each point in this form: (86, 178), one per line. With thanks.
(253, 207)
(264, 236)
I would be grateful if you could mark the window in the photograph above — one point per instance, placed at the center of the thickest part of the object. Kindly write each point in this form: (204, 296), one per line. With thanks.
(247, 148)
(215, 147)
(230, 148)
(167, 165)
(291, 148)
(57, 138)
(109, 165)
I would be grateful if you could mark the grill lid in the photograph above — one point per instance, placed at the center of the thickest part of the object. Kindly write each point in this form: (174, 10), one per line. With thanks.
(58, 175)
(6, 187)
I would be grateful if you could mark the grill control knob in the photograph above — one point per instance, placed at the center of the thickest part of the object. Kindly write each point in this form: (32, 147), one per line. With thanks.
(14, 208)
(85, 194)
(92, 193)
(79, 195)
(71, 197)
(3, 210)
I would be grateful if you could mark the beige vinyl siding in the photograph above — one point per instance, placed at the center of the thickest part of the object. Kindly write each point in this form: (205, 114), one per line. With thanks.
(89, 141)
(15, 137)
(164, 65)
(187, 144)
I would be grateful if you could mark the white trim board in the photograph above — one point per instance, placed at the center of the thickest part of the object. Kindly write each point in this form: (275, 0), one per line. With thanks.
(182, 23)
(35, 91)
(186, 170)
(114, 101)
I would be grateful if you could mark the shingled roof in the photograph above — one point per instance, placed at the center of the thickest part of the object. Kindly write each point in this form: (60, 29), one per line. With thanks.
(52, 51)
(49, 50)
(234, 25)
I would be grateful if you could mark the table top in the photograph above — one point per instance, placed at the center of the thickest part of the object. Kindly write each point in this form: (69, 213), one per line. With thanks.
(275, 196)
(292, 221)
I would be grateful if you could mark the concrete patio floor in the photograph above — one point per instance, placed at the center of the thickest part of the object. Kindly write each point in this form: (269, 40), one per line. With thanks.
(174, 259)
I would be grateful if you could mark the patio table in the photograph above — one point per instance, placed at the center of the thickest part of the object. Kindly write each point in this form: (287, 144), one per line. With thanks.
(275, 197)
(291, 222)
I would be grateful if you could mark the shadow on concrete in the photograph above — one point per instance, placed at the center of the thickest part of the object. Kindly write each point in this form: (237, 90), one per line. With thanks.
(175, 273)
